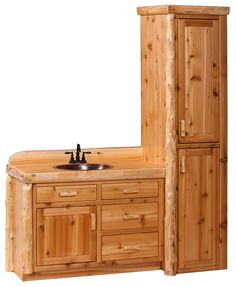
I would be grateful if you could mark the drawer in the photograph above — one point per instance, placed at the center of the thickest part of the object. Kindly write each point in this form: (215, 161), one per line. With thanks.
(65, 193)
(130, 246)
(125, 216)
(131, 190)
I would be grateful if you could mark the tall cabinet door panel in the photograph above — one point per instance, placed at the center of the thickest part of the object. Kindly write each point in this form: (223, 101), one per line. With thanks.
(198, 77)
(65, 235)
(198, 207)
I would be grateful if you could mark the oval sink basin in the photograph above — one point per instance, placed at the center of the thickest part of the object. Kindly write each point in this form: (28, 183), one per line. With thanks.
(84, 166)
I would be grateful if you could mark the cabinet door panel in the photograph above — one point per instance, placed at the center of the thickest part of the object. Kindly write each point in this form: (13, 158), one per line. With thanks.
(65, 235)
(198, 60)
(198, 208)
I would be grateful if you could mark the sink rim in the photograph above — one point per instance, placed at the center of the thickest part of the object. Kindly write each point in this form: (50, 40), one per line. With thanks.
(84, 166)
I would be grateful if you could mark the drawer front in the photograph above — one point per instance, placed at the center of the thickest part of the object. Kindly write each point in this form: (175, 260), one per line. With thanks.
(130, 246)
(130, 190)
(65, 193)
(125, 216)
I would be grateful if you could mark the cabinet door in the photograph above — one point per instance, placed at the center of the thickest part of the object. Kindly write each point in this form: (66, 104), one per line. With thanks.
(66, 235)
(198, 77)
(198, 208)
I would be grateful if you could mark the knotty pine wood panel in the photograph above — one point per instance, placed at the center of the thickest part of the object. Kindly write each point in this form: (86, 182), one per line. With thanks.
(198, 208)
(198, 56)
(65, 235)
(223, 141)
(153, 59)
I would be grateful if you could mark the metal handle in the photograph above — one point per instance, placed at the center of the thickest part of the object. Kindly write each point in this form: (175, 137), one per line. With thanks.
(131, 248)
(72, 159)
(93, 221)
(182, 165)
(67, 193)
(183, 132)
(127, 216)
(130, 191)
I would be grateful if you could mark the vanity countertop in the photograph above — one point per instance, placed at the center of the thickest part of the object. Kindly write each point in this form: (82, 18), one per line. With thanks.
(39, 166)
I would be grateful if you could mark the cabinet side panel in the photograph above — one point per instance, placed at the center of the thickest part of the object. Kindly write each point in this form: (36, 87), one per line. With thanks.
(153, 60)
(223, 140)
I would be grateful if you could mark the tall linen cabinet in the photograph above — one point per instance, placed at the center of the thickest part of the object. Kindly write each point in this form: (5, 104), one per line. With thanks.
(184, 127)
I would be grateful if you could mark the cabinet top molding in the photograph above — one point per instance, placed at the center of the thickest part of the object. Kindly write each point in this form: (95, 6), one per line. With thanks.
(180, 9)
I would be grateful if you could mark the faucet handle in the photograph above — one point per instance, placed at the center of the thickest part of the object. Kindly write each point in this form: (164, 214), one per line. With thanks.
(72, 159)
(83, 160)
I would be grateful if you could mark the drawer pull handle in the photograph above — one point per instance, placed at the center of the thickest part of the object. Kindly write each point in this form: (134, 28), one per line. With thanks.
(93, 221)
(67, 193)
(130, 191)
(131, 248)
(182, 165)
(127, 216)
(183, 132)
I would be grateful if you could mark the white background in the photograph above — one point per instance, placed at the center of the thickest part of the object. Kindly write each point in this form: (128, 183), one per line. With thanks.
(70, 72)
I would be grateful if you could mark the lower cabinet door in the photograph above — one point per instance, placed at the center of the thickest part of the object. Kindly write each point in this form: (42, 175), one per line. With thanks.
(66, 235)
(198, 208)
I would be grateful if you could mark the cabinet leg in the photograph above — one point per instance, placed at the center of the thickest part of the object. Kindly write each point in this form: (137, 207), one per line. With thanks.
(9, 226)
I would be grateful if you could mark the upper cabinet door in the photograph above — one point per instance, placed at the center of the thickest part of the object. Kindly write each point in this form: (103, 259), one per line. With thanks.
(198, 80)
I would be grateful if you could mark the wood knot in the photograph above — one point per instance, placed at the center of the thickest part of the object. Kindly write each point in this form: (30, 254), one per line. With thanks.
(201, 220)
(223, 225)
(150, 46)
(224, 159)
(195, 78)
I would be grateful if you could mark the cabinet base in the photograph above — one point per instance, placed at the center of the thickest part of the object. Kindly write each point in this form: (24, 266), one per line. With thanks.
(92, 271)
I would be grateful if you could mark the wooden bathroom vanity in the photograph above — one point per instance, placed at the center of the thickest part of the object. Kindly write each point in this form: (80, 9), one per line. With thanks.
(160, 206)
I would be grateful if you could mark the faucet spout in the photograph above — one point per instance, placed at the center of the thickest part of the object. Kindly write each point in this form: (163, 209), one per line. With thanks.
(78, 151)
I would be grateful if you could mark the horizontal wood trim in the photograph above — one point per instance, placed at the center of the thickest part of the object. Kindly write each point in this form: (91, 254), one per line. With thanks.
(95, 264)
(87, 271)
(197, 145)
(181, 9)
(67, 211)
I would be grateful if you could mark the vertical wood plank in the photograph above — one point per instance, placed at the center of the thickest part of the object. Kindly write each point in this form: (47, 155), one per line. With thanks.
(153, 59)
(223, 140)
(170, 153)
(27, 229)
(9, 226)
